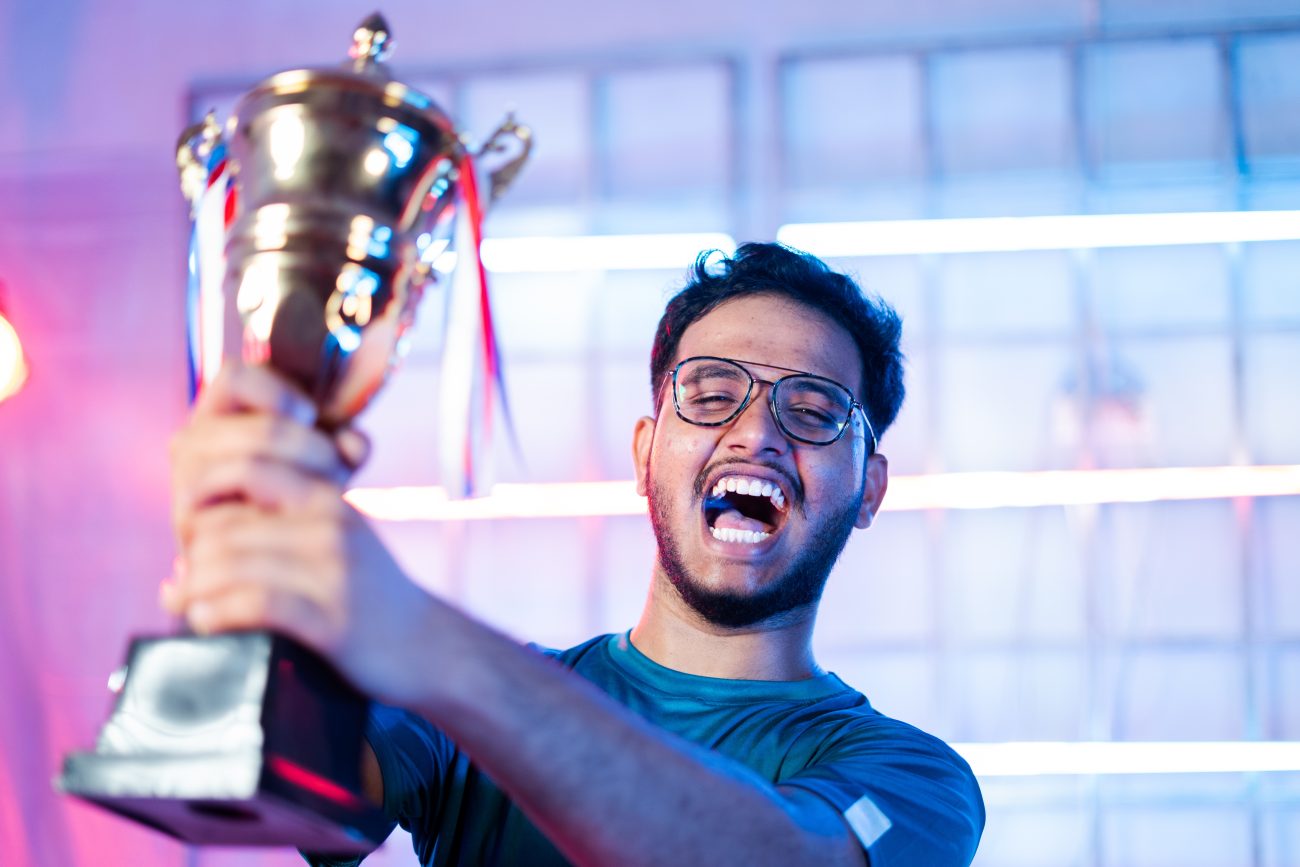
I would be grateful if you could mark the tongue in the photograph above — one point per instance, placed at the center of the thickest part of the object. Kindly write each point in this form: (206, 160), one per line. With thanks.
(731, 519)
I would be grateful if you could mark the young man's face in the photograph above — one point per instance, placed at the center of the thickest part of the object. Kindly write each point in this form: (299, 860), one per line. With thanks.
(743, 559)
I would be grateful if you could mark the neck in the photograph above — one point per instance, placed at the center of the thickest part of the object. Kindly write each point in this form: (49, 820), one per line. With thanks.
(674, 635)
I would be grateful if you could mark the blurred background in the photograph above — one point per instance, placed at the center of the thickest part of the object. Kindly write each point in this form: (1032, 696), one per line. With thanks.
(1129, 614)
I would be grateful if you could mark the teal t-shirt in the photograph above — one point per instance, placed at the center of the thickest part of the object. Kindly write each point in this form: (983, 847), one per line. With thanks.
(909, 798)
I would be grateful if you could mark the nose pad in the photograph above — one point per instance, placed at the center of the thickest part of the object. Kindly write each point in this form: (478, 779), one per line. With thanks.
(757, 422)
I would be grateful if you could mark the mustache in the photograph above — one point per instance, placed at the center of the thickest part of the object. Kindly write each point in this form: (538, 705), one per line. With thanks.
(794, 490)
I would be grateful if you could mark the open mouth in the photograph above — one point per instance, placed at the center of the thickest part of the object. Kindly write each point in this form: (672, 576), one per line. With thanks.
(744, 509)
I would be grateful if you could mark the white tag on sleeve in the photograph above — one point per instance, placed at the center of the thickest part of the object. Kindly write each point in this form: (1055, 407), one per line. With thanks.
(867, 821)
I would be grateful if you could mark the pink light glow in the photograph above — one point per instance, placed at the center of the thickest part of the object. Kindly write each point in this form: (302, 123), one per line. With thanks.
(313, 782)
(906, 493)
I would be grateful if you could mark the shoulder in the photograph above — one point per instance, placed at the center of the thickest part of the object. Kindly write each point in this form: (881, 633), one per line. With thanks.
(861, 727)
(573, 656)
(908, 795)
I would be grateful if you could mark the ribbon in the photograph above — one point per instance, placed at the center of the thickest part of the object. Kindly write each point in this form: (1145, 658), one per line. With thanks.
(473, 381)
(204, 303)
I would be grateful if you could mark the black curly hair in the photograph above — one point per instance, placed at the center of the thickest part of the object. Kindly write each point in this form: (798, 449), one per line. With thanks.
(774, 269)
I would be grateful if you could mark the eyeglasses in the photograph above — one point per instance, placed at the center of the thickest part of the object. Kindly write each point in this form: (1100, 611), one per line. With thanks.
(711, 392)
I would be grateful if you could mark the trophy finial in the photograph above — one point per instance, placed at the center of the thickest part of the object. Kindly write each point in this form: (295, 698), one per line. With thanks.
(372, 42)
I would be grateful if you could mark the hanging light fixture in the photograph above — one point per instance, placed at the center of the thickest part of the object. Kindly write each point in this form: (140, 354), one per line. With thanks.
(13, 367)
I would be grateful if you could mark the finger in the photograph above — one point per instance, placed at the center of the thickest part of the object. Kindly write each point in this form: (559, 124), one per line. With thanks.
(229, 449)
(170, 597)
(236, 541)
(257, 492)
(171, 589)
(258, 435)
(232, 528)
(244, 388)
(250, 605)
(273, 594)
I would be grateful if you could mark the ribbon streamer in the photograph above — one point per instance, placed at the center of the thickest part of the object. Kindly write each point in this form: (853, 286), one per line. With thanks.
(205, 304)
(473, 382)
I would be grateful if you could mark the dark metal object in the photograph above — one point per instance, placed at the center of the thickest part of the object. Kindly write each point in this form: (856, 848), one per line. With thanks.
(244, 739)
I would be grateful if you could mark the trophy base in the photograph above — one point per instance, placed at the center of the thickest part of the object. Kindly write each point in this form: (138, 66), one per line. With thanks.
(246, 739)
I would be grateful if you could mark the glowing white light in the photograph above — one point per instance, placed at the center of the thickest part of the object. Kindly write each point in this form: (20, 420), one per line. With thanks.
(1084, 758)
(1087, 487)
(445, 262)
(906, 493)
(600, 252)
(376, 162)
(348, 338)
(558, 500)
(13, 368)
(258, 298)
(287, 139)
(1013, 234)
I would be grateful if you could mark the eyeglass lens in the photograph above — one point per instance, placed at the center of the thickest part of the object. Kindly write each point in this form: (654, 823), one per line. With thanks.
(711, 391)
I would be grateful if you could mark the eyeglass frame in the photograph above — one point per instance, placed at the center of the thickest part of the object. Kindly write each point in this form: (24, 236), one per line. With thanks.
(771, 400)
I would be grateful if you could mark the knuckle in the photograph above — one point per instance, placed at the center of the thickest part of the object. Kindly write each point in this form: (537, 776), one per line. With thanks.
(273, 428)
(215, 524)
(245, 470)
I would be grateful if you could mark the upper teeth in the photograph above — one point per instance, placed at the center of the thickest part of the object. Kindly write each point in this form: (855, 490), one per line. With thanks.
(751, 488)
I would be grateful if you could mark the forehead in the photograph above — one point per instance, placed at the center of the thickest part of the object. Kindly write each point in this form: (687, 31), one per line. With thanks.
(772, 329)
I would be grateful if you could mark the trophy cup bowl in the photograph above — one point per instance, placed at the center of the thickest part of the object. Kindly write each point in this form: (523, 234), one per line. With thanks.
(341, 184)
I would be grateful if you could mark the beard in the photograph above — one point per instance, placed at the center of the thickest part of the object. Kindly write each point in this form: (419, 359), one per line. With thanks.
(798, 587)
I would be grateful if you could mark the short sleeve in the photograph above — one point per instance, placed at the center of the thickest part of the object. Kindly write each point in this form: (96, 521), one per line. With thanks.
(908, 797)
(413, 757)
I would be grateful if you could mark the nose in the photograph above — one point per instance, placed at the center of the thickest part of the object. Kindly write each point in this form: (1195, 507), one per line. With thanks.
(755, 430)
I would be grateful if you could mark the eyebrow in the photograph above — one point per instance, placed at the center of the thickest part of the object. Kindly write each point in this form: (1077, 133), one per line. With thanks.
(823, 386)
(721, 366)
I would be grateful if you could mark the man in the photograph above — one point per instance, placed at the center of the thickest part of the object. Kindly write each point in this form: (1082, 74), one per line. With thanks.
(705, 735)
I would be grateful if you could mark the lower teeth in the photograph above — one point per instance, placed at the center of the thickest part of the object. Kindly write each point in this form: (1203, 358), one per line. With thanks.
(728, 534)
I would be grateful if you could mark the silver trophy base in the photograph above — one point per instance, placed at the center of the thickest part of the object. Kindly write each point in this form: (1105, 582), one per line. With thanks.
(245, 739)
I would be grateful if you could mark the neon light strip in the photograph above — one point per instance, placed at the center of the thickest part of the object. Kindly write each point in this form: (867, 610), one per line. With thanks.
(600, 252)
(1014, 234)
(563, 500)
(1041, 758)
(1087, 487)
(906, 493)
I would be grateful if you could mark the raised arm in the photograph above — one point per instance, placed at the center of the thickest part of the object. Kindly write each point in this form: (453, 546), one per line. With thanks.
(268, 542)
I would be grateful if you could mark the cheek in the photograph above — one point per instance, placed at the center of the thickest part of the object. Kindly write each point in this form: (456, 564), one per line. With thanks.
(834, 481)
(680, 454)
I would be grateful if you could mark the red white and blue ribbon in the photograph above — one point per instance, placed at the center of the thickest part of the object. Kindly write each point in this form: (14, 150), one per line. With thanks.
(205, 304)
(472, 379)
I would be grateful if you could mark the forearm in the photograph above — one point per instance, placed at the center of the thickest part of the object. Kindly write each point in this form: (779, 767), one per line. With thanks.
(604, 785)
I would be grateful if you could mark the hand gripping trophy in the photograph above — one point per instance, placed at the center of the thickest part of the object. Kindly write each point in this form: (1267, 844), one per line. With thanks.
(340, 186)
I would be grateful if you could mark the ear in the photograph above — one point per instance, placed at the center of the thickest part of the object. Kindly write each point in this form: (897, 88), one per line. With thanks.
(874, 482)
(642, 444)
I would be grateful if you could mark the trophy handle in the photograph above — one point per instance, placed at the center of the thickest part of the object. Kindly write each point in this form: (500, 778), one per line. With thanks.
(193, 148)
(500, 178)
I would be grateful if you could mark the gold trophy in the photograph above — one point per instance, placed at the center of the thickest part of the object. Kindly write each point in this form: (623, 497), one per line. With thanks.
(339, 186)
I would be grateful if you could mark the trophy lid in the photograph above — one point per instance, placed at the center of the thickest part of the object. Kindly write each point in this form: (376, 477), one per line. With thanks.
(372, 43)
(363, 77)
